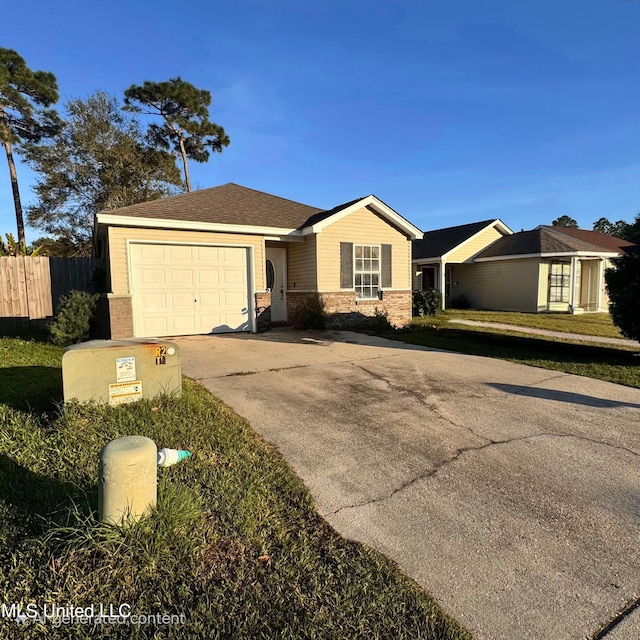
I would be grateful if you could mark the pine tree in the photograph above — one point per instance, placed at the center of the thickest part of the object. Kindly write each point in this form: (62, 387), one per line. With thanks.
(185, 112)
(24, 96)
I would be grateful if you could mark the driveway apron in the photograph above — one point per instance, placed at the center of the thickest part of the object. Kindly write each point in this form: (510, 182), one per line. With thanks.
(511, 493)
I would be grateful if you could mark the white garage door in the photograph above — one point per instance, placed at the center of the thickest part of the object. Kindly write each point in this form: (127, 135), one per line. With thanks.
(185, 289)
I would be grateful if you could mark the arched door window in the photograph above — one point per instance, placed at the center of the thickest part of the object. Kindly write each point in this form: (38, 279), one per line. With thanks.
(271, 275)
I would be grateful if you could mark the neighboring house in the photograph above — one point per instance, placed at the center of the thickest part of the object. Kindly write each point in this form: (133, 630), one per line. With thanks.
(231, 258)
(439, 254)
(545, 269)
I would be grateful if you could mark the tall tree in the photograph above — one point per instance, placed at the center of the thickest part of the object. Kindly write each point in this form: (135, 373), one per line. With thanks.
(565, 221)
(619, 229)
(633, 233)
(99, 160)
(185, 112)
(24, 96)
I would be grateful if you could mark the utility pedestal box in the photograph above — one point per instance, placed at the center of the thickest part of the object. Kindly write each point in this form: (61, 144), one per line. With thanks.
(120, 371)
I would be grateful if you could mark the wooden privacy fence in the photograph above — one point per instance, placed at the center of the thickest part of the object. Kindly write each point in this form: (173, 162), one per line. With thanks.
(30, 288)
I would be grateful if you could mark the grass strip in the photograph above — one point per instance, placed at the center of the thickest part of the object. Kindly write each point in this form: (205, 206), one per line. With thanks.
(618, 365)
(588, 324)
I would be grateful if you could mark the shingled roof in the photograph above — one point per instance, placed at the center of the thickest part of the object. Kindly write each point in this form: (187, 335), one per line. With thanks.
(436, 243)
(607, 242)
(537, 241)
(227, 204)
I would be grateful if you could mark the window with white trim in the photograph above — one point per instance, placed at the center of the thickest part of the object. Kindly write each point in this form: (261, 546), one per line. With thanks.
(559, 281)
(366, 270)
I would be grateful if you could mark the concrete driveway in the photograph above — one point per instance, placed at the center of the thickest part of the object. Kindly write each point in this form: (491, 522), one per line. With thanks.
(511, 493)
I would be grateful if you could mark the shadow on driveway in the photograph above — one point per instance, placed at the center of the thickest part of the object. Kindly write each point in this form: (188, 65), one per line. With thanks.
(560, 396)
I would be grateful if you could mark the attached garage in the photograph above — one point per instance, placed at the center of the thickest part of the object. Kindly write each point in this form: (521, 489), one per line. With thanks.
(231, 259)
(182, 289)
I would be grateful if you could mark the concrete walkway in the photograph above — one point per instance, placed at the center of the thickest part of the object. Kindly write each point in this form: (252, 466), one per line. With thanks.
(511, 493)
(545, 332)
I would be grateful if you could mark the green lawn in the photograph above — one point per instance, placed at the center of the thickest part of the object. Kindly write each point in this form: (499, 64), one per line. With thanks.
(590, 324)
(613, 364)
(235, 543)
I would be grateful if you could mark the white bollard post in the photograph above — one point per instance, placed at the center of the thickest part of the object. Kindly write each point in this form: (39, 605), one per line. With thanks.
(128, 479)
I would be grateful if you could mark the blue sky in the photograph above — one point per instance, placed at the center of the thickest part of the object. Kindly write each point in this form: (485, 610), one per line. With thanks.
(450, 112)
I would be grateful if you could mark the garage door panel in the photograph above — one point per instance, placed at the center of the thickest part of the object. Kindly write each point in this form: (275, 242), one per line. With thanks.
(184, 322)
(233, 256)
(154, 301)
(182, 300)
(234, 300)
(210, 299)
(180, 254)
(234, 277)
(181, 276)
(185, 289)
(153, 276)
(208, 277)
(154, 325)
(206, 254)
(152, 252)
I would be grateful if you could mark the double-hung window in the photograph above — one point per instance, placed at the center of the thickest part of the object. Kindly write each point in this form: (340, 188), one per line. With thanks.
(559, 281)
(366, 270)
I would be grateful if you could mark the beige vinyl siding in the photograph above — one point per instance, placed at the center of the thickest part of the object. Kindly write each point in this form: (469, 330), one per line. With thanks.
(474, 246)
(362, 227)
(543, 288)
(508, 285)
(118, 263)
(302, 273)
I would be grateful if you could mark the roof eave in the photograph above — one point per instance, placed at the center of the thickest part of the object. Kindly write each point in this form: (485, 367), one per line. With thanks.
(555, 254)
(190, 225)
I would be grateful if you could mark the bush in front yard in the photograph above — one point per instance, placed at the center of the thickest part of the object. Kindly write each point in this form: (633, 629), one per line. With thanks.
(623, 287)
(426, 302)
(72, 323)
(312, 313)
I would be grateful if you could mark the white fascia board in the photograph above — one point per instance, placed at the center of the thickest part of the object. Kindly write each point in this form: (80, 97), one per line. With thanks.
(503, 226)
(386, 212)
(569, 254)
(291, 238)
(496, 223)
(190, 225)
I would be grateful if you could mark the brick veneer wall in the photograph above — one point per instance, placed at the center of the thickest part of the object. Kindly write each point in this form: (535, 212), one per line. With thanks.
(263, 311)
(343, 307)
(120, 317)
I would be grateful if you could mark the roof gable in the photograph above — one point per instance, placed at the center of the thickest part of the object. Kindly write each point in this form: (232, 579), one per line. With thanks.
(321, 220)
(437, 243)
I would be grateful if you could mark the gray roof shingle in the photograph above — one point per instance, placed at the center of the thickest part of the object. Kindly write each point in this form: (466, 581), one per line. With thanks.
(227, 204)
(606, 242)
(541, 240)
(437, 243)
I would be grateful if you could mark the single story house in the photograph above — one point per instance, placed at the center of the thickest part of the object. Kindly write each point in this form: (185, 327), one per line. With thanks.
(439, 252)
(545, 269)
(230, 258)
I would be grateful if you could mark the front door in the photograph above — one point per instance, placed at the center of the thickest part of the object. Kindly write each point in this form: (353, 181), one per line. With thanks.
(428, 277)
(276, 272)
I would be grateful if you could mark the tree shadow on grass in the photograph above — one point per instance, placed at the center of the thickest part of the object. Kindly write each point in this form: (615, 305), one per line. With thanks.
(498, 345)
(39, 498)
(31, 388)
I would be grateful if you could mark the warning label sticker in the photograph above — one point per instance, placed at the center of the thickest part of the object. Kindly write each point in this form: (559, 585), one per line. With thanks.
(125, 369)
(123, 392)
